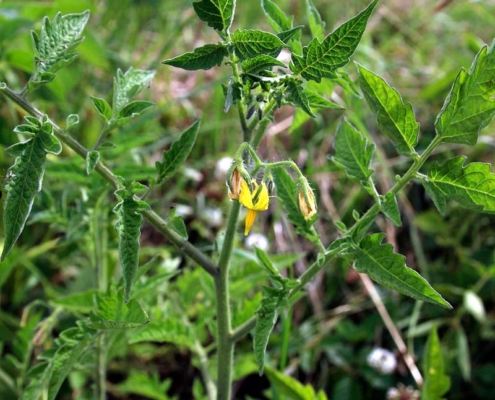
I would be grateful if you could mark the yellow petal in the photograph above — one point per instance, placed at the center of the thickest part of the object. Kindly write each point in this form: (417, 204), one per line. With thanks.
(245, 196)
(250, 217)
(263, 199)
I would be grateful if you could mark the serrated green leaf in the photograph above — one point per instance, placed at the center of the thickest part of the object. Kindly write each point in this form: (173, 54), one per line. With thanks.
(128, 227)
(318, 101)
(38, 377)
(316, 24)
(436, 382)
(353, 152)
(321, 59)
(170, 329)
(260, 63)
(113, 313)
(217, 13)
(472, 186)
(287, 36)
(389, 269)
(82, 302)
(470, 105)
(22, 184)
(92, 158)
(266, 316)
(128, 85)
(55, 46)
(288, 388)
(276, 17)
(177, 154)
(72, 120)
(134, 108)
(249, 43)
(395, 119)
(296, 95)
(265, 261)
(287, 195)
(390, 208)
(49, 142)
(204, 57)
(102, 107)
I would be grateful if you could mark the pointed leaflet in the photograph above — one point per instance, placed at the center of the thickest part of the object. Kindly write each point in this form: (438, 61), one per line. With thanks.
(390, 208)
(24, 178)
(318, 101)
(260, 63)
(321, 59)
(470, 105)
(353, 152)
(178, 153)
(217, 13)
(316, 24)
(55, 45)
(204, 57)
(436, 382)
(266, 316)
(395, 119)
(92, 158)
(297, 96)
(287, 36)
(102, 107)
(289, 388)
(472, 186)
(128, 227)
(249, 43)
(276, 17)
(389, 269)
(128, 85)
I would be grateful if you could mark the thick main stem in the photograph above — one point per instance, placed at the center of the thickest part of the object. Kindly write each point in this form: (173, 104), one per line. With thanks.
(225, 347)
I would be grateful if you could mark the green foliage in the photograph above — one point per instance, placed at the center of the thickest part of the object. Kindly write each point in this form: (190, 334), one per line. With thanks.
(297, 96)
(276, 17)
(320, 59)
(395, 119)
(389, 269)
(177, 154)
(249, 43)
(217, 13)
(55, 46)
(204, 57)
(25, 177)
(470, 105)
(290, 389)
(436, 382)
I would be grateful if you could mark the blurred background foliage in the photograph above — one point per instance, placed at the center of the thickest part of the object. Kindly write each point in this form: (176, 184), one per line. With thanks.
(418, 47)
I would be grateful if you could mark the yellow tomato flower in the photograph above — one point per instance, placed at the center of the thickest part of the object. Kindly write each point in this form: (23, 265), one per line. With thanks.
(254, 201)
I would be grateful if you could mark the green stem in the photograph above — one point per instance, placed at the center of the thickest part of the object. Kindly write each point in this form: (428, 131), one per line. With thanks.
(269, 110)
(101, 368)
(246, 132)
(225, 347)
(153, 218)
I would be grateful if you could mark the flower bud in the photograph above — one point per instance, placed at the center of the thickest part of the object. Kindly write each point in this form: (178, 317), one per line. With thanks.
(306, 198)
(234, 184)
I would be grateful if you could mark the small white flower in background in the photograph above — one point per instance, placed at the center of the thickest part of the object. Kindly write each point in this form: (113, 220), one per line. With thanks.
(382, 360)
(401, 392)
(258, 240)
(222, 167)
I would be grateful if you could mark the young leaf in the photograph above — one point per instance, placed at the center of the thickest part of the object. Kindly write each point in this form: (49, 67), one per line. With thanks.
(128, 85)
(353, 152)
(55, 47)
(390, 208)
(287, 195)
(24, 178)
(389, 269)
(128, 227)
(134, 108)
(249, 43)
(266, 316)
(321, 59)
(204, 57)
(318, 101)
(287, 36)
(289, 388)
(265, 261)
(92, 158)
(276, 17)
(472, 186)
(177, 223)
(316, 24)
(470, 105)
(102, 107)
(395, 119)
(260, 63)
(177, 154)
(72, 120)
(217, 13)
(436, 382)
(297, 96)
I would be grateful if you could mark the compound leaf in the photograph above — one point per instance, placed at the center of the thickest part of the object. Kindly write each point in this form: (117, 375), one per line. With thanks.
(204, 57)
(321, 59)
(217, 13)
(178, 153)
(389, 269)
(395, 119)
(472, 186)
(353, 152)
(249, 43)
(470, 105)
